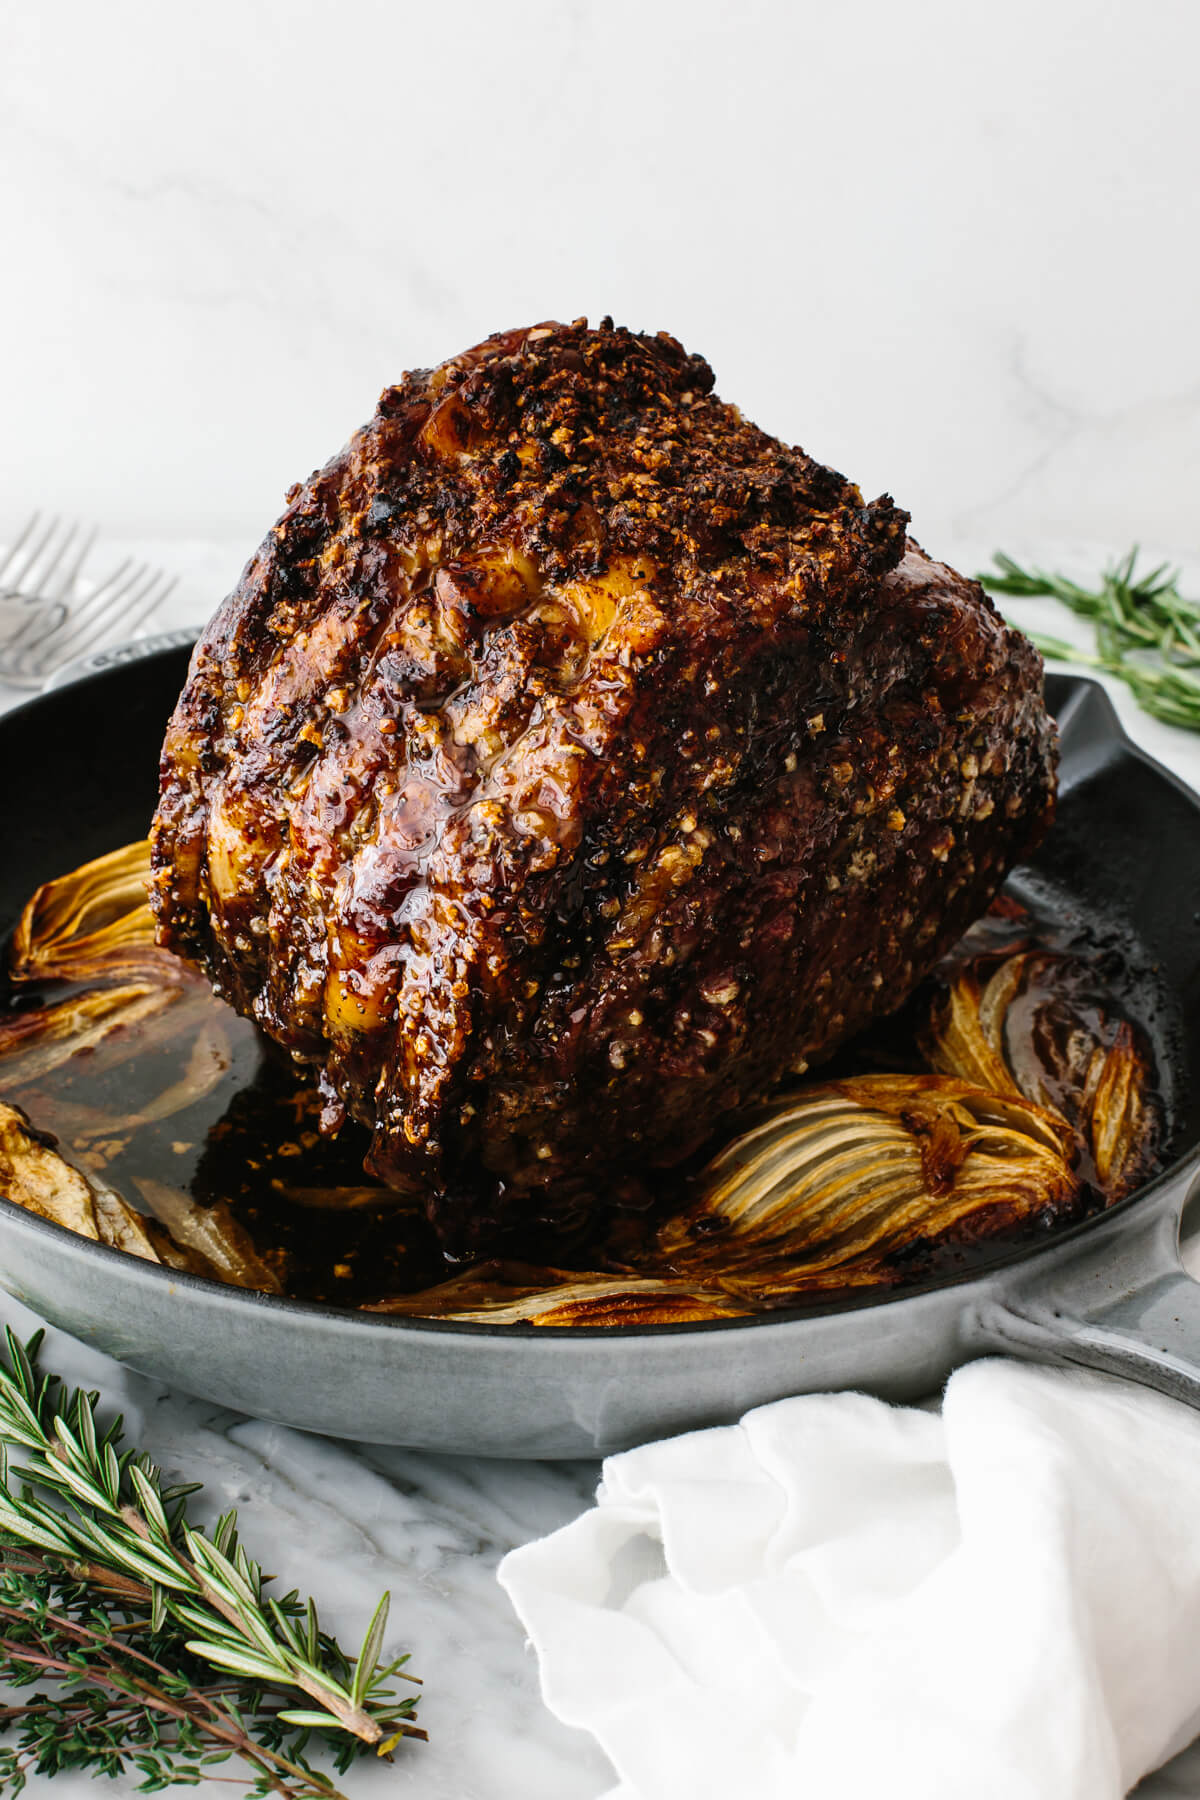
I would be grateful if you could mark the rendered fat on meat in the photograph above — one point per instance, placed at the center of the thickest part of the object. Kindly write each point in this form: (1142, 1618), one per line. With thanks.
(572, 761)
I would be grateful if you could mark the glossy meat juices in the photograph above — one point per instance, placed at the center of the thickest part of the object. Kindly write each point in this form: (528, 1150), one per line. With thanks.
(574, 759)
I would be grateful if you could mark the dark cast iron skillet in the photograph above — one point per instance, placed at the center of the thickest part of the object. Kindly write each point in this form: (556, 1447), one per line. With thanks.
(77, 778)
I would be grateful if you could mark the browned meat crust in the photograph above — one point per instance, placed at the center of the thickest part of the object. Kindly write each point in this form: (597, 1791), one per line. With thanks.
(572, 759)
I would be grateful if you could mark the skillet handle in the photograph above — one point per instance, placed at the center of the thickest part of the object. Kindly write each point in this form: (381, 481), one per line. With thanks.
(1126, 1305)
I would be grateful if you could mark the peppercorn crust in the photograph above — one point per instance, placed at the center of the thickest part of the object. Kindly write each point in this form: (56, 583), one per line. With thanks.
(572, 760)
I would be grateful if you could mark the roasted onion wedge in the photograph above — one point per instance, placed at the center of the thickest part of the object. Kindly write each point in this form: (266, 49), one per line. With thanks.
(217, 1243)
(33, 1044)
(205, 1240)
(832, 1187)
(92, 924)
(34, 1175)
(838, 1181)
(501, 1294)
(1038, 1025)
(1035, 1104)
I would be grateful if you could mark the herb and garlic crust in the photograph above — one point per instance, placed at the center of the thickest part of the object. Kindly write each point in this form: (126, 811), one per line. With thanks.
(572, 760)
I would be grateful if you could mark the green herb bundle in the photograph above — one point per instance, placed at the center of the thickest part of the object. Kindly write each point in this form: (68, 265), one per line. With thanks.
(152, 1647)
(1146, 633)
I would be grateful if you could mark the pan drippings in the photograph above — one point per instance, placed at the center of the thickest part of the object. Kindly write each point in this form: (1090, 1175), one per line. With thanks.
(1017, 1092)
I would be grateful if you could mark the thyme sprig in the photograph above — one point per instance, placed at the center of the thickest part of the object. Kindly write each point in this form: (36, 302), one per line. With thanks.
(1146, 633)
(165, 1652)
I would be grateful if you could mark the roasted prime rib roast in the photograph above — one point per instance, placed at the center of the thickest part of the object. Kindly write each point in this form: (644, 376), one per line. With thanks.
(572, 761)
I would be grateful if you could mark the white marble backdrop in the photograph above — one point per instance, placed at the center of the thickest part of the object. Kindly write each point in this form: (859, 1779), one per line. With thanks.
(950, 246)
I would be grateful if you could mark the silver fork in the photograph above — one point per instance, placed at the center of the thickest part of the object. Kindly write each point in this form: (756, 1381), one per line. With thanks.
(42, 563)
(46, 630)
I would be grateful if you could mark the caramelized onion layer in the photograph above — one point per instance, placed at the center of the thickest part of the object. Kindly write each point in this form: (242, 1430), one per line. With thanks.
(1034, 1104)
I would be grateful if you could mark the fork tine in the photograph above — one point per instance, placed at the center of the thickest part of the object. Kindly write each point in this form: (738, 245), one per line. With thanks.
(125, 572)
(129, 605)
(30, 575)
(70, 574)
(42, 577)
(135, 609)
(47, 588)
(132, 622)
(40, 644)
(43, 566)
(18, 544)
(127, 595)
(39, 626)
(111, 593)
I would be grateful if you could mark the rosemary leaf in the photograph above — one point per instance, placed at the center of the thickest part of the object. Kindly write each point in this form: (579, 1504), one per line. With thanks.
(157, 1649)
(368, 1656)
(1146, 633)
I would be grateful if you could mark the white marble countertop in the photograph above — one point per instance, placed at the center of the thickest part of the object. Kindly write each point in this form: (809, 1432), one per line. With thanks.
(346, 1520)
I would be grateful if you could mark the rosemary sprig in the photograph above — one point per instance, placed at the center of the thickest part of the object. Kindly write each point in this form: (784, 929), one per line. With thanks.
(1147, 634)
(165, 1652)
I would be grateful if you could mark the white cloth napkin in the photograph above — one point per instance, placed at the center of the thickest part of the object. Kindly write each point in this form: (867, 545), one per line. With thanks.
(837, 1598)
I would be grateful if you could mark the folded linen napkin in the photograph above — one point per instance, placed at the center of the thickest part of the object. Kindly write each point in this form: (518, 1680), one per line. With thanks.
(837, 1598)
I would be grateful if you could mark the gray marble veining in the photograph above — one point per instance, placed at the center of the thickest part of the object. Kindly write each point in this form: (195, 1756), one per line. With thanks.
(343, 1523)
